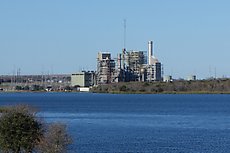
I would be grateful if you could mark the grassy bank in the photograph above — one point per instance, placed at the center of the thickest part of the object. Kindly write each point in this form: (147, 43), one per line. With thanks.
(217, 86)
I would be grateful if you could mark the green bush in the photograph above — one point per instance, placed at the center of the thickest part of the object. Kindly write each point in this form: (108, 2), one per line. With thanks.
(20, 131)
(123, 88)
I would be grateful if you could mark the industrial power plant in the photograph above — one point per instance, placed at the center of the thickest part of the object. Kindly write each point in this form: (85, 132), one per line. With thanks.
(128, 66)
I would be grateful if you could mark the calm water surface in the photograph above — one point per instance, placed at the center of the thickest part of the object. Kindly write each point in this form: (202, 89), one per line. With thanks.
(136, 123)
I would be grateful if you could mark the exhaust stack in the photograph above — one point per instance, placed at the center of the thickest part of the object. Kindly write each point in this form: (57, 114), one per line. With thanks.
(150, 52)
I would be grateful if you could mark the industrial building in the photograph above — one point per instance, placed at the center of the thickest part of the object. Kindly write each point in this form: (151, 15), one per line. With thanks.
(168, 78)
(136, 61)
(192, 78)
(105, 68)
(83, 79)
(154, 67)
(130, 66)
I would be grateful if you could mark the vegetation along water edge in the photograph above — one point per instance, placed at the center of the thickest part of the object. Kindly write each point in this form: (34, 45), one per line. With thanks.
(215, 86)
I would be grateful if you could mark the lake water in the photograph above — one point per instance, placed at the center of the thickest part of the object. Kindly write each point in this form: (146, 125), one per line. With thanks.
(136, 123)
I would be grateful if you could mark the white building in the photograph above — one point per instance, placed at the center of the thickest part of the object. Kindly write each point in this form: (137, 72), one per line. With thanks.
(191, 78)
(154, 67)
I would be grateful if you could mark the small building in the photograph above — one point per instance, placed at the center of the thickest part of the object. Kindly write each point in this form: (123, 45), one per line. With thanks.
(154, 71)
(191, 78)
(83, 79)
(168, 78)
(84, 89)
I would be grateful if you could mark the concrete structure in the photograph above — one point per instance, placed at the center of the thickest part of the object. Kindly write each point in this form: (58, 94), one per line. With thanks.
(154, 72)
(130, 66)
(83, 79)
(154, 67)
(84, 89)
(191, 78)
(168, 78)
(105, 68)
(135, 63)
(135, 59)
(150, 52)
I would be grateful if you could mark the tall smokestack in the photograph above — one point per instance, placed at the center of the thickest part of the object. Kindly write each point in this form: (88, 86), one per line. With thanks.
(150, 52)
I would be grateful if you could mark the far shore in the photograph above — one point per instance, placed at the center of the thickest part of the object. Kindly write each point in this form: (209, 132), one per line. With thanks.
(215, 86)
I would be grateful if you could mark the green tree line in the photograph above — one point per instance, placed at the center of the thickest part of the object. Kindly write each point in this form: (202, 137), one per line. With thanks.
(181, 86)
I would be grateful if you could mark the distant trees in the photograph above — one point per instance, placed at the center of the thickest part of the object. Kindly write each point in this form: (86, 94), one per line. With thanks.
(25, 88)
(177, 86)
(67, 88)
(22, 132)
(37, 88)
(123, 88)
(18, 88)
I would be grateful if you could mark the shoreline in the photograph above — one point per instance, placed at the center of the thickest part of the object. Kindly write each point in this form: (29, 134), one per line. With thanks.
(220, 86)
(122, 92)
(172, 93)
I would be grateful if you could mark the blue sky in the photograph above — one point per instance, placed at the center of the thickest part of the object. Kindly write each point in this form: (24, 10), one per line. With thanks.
(57, 36)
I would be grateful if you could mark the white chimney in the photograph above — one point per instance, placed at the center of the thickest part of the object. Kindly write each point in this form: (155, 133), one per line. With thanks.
(150, 52)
